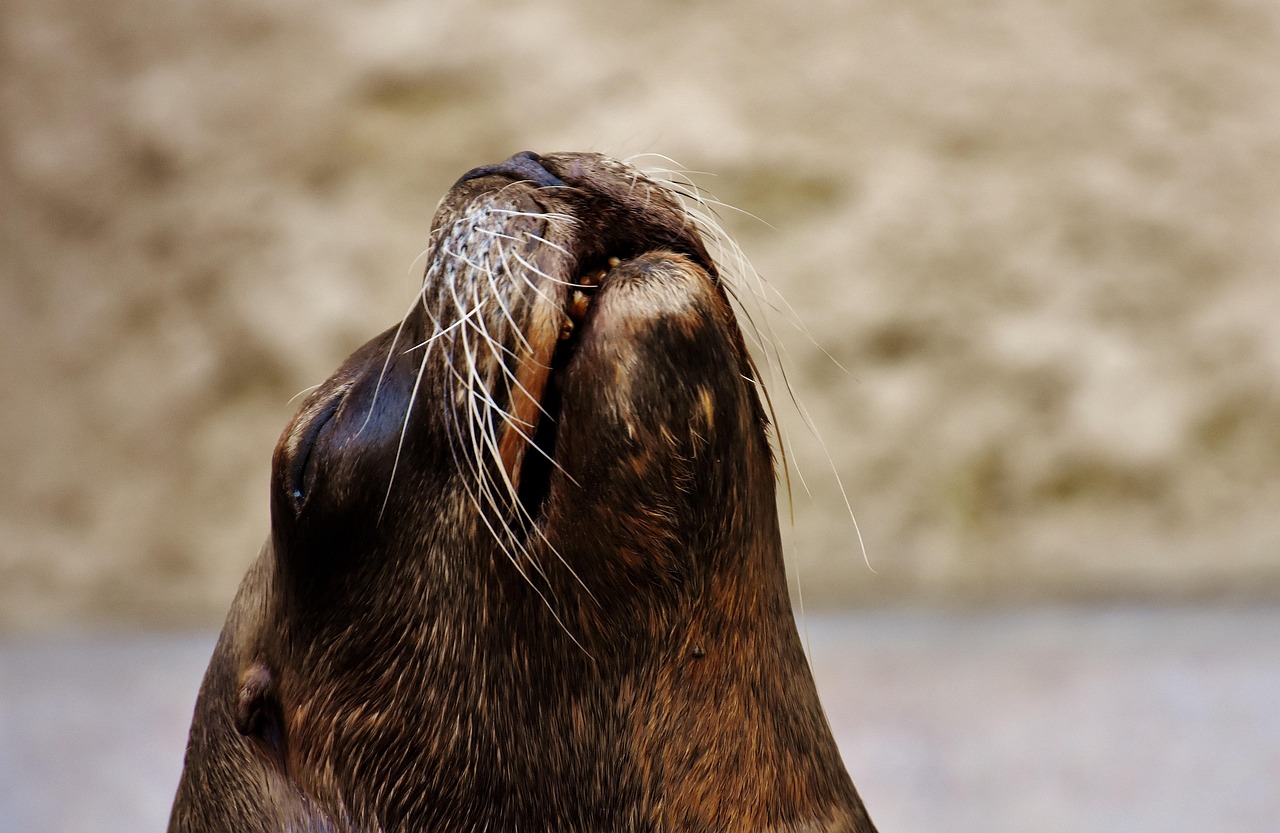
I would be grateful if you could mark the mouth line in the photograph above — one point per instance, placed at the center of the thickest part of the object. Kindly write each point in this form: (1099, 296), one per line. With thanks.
(580, 293)
(540, 462)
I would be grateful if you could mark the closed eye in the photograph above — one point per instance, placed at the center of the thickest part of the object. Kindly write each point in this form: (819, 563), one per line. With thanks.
(302, 473)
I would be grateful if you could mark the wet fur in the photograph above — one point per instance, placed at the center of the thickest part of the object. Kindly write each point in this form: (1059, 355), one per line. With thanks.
(522, 583)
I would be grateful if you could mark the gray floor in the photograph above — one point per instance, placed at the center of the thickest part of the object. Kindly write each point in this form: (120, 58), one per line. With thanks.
(1122, 721)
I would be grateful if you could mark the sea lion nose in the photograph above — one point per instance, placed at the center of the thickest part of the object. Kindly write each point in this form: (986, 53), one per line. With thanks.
(525, 166)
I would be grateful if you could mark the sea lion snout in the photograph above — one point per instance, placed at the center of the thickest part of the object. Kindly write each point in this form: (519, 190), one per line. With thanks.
(525, 166)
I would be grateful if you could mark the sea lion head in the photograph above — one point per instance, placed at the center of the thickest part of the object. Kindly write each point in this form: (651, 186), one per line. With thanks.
(569, 394)
(524, 569)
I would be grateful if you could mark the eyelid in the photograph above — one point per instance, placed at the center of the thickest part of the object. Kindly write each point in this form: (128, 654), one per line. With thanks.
(298, 488)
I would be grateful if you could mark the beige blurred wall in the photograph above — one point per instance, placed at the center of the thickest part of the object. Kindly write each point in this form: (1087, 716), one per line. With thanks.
(1040, 238)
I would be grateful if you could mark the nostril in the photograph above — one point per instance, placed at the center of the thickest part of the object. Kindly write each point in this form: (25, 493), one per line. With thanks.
(524, 166)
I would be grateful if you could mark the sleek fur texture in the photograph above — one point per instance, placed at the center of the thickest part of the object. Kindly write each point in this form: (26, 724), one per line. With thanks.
(524, 571)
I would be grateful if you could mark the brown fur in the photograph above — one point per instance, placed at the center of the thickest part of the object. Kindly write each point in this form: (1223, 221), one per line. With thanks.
(448, 632)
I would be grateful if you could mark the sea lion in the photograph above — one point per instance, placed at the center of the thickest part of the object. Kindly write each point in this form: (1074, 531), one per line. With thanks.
(524, 570)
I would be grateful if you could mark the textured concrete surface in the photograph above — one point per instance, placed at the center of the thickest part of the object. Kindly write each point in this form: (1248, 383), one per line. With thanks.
(1041, 235)
(1111, 721)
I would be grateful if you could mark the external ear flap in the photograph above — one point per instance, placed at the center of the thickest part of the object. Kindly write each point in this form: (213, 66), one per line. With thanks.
(258, 713)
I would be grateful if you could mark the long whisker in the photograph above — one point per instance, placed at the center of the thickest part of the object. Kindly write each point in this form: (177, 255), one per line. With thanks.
(700, 208)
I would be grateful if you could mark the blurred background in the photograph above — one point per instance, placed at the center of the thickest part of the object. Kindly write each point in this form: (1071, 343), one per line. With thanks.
(1031, 247)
